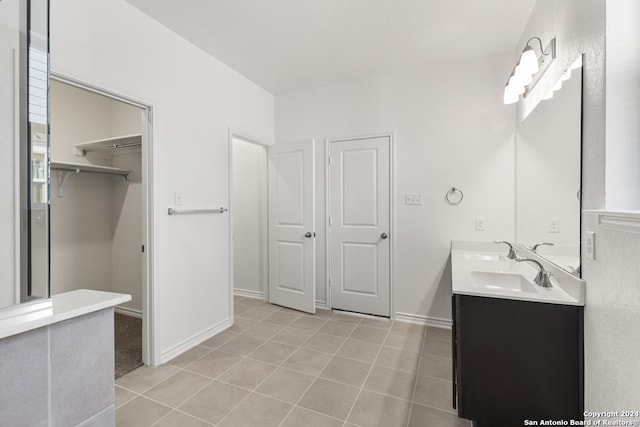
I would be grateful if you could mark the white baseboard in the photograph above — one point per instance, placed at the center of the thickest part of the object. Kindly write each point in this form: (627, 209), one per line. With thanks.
(193, 341)
(132, 312)
(248, 293)
(423, 320)
(322, 305)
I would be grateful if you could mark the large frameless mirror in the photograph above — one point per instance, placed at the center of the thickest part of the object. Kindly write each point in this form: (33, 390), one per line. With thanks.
(24, 151)
(548, 173)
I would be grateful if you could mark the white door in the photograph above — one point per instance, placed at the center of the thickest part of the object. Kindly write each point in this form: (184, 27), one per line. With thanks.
(359, 222)
(292, 226)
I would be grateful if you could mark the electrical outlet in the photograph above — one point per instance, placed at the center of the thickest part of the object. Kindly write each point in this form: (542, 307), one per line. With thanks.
(590, 245)
(479, 223)
(413, 199)
(177, 198)
(553, 225)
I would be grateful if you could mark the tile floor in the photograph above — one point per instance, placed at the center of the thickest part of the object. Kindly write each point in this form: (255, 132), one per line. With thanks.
(279, 367)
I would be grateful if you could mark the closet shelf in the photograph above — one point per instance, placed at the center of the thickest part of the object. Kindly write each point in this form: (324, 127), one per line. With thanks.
(108, 144)
(77, 168)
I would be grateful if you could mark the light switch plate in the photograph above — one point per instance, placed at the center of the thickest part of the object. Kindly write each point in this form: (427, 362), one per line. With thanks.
(479, 223)
(177, 198)
(590, 245)
(553, 225)
(413, 199)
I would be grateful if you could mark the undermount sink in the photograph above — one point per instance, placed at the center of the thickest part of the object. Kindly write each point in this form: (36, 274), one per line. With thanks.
(479, 256)
(502, 281)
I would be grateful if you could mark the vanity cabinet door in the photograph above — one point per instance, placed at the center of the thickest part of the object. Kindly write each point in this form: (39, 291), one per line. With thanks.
(517, 360)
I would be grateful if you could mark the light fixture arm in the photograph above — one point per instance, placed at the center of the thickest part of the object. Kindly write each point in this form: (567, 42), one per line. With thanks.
(540, 43)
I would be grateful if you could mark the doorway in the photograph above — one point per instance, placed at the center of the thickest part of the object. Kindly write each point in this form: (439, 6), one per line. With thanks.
(359, 212)
(249, 210)
(100, 207)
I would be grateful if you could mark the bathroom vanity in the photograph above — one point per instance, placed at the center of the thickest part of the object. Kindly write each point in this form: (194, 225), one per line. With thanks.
(517, 347)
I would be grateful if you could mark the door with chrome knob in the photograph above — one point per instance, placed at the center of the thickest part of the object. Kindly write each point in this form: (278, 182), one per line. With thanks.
(384, 236)
(309, 234)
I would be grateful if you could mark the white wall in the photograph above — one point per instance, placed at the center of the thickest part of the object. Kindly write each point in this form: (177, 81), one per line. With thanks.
(9, 191)
(452, 129)
(623, 105)
(249, 182)
(196, 99)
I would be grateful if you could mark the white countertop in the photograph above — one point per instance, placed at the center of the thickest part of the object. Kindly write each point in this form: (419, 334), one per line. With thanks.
(473, 263)
(58, 308)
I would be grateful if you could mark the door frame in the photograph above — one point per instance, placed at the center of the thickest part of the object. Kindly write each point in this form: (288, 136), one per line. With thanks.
(392, 212)
(150, 350)
(243, 136)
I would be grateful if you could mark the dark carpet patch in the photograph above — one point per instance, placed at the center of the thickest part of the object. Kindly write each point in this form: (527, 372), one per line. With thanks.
(128, 344)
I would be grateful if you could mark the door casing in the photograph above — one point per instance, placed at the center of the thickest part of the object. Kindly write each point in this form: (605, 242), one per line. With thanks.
(392, 213)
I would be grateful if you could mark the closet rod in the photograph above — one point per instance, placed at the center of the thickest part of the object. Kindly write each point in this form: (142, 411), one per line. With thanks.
(112, 147)
(173, 211)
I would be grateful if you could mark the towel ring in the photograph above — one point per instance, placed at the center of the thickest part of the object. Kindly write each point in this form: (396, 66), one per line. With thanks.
(454, 196)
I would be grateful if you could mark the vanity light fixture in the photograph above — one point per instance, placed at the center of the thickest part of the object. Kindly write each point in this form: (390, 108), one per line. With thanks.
(529, 64)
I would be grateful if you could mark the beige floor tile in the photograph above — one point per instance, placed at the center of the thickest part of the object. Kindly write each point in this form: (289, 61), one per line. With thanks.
(398, 359)
(256, 314)
(214, 402)
(364, 333)
(273, 352)
(346, 317)
(391, 382)
(287, 385)
(324, 343)
(336, 328)
(241, 324)
(406, 342)
(435, 366)
(178, 419)
(301, 417)
(237, 298)
(140, 412)
(292, 336)
(439, 333)
(422, 416)
(359, 350)
(239, 309)
(189, 356)
(408, 328)
(309, 361)
(434, 392)
(213, 364)
(122, 396)
(308, 323)
(282, 318)
(329, 398)
(376, 410)
(251, 302)
(247, 373)
(219, 339)
(346, 371)
(322, 314)
(143, 378)
(369, 322)
(241, 345)
(257, 410)
(263, 330)
(177, 388)
(437, 347)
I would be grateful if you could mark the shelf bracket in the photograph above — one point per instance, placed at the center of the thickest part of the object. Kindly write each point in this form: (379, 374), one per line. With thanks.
(62, 178)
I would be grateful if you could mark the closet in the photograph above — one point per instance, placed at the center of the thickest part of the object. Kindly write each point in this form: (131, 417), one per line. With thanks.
(96, 205)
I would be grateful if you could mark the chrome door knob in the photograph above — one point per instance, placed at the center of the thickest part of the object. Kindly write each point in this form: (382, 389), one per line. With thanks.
(308, 235)
(384, 235)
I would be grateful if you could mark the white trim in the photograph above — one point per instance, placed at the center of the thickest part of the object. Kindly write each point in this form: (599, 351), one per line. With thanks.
(247, 293)
(322, 305)
(194, 340)
(625, 221)
(392, 210)
(437, 322)
(150, 349)
(126, 311)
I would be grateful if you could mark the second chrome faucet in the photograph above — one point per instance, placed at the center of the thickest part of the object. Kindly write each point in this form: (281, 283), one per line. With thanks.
(543, 277)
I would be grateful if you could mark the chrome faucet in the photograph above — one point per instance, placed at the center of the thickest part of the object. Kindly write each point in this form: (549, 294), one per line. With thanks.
(535, 247)
(543, 278)
(512, 252)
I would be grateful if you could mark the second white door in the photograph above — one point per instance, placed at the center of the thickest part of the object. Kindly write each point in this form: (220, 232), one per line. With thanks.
(359, 225)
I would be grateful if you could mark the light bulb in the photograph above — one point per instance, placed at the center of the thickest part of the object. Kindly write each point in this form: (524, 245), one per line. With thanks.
(528, 62)
(510, 95)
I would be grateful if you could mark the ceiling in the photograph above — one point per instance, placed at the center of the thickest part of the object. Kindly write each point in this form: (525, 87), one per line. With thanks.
(289, 45)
